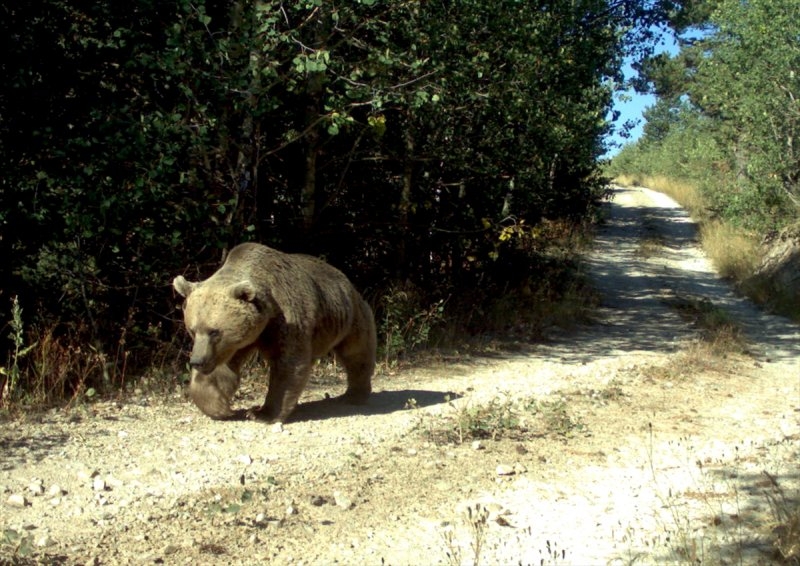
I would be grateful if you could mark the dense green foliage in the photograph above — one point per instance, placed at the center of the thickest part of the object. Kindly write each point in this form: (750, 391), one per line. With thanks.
(414, 142)
(728, 112)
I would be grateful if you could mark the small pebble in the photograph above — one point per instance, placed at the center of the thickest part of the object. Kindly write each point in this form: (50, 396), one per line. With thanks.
(342, 500)
(505, 470)
(44, 541)
(55, 491)
(17, 500)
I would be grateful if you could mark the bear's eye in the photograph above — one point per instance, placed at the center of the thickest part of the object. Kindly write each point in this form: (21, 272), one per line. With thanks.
(214, 333)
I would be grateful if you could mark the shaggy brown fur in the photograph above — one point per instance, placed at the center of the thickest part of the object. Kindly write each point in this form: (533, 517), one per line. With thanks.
(293, 309)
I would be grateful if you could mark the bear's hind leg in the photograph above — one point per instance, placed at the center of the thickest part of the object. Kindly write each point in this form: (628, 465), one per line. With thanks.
(359, 378)
(357, 354)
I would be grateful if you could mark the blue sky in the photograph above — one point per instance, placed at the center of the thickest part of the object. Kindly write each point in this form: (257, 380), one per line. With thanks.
(631, 105)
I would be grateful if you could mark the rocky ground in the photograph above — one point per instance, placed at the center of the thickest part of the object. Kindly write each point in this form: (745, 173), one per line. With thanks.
(626, 442)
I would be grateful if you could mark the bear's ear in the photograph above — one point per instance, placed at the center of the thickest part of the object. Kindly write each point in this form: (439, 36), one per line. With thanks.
(183, 287)
(244, 291)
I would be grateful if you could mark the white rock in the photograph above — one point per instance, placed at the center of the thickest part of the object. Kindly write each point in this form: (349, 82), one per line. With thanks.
(505, 470)
(17, 500)
(44, 541)
(477, 445)
(98, 484)
(55, 491)
(245, 459)
(342, 500)
(85, 474)
(36, 487)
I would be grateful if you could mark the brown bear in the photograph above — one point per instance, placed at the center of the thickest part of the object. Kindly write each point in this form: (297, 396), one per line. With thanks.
(293, 309)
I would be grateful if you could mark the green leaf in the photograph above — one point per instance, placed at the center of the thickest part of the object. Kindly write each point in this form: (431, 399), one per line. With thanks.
(10, 536)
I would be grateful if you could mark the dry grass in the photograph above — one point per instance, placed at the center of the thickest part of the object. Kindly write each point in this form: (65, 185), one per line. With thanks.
(734, 253)
(786, 515)
(720, 335)
(502, 418)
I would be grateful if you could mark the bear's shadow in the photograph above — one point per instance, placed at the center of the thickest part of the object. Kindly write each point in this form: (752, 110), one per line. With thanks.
(380, 403)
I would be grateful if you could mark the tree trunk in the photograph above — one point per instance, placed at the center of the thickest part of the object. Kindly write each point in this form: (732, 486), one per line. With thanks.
(244, 175)
(404, 206)
(308, 192)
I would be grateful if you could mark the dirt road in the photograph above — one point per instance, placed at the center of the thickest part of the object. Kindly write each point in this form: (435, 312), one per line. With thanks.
(619, 443)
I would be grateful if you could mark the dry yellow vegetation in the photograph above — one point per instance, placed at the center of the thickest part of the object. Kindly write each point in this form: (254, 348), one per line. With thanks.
(734, 252)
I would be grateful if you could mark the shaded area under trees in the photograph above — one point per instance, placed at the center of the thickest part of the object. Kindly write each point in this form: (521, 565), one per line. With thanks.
(426, 143)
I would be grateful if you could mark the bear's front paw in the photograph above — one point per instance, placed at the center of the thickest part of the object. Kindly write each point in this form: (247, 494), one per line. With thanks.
(355, 396)
(261, 414)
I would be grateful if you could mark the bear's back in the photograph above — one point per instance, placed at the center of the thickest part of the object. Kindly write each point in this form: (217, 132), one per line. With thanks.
(304, 287)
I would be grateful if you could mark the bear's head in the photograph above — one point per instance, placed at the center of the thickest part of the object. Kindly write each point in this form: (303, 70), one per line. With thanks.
(222, 317)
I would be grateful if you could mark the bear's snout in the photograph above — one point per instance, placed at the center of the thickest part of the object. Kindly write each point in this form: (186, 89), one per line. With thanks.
(203, 364)
(197, 363)
(202, 358)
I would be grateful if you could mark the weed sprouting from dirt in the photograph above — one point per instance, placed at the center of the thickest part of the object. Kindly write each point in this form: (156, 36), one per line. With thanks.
(11, 373)
(465, 541)
(452, 547)
(652, 241)
(212, 549)
(786, 514)
(19, 545)
(718, 330)
(502, 418)
(49, 365)
(406, 324)
(715, 520)
(476, 520)
(650, 246)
